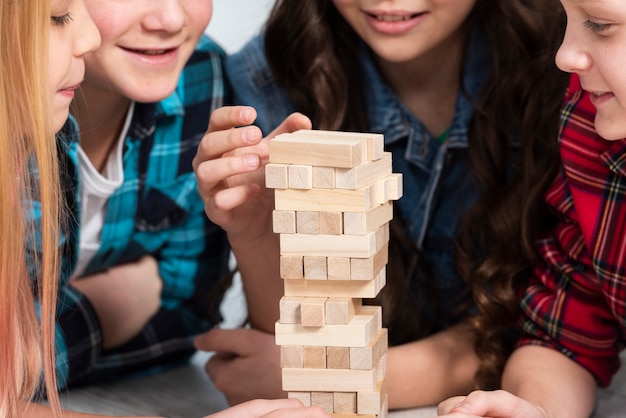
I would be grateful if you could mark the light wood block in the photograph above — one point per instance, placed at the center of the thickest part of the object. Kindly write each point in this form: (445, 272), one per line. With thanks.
(368, 357)
(344, 402)
(331, 380)
(386, 189)
(340, 310)
(284, 221)
(330, 223)
(368, 268)
(318, 151)
(323, 177)
(314, 357)
(324, 400)
(315, 268)
(312, 312)
(289, 307)
(358, 333)
(304, 397)
(276, 176)
(363, 174)
(375, 142)
(394, 186)
(325, 200)
(291, 267)
(336, 288)
(381, 369)
(357, 246)
(307, 222)
(300, 176)
(338, 357)
(371, 402)
(292, 356)
(338, 268)
(362, 223)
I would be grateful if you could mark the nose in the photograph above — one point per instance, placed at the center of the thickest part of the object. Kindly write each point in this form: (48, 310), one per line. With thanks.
(89, 39)
(572, 56)
(165, 15)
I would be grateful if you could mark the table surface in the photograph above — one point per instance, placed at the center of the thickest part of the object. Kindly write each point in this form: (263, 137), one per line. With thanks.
(187, 392)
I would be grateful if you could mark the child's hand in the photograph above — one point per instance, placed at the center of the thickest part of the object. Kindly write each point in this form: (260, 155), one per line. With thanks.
(124, 297)
(246, 364)
(277, 408)
(499, 403)
(229, 165)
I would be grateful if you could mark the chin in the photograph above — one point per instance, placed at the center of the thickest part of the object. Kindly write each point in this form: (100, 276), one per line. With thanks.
(610, 131)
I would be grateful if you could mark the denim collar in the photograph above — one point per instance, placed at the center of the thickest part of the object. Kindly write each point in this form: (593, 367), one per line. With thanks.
(387, 115)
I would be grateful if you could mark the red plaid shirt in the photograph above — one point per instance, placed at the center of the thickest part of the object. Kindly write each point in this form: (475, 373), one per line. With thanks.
(576, 301)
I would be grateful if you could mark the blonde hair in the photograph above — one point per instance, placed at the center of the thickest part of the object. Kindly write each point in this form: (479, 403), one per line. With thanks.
(26, 142)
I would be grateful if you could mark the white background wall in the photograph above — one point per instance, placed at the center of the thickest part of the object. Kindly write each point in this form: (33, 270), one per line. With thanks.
(236, 21)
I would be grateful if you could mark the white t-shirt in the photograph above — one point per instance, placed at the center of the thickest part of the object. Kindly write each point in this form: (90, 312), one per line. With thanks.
(95, 190)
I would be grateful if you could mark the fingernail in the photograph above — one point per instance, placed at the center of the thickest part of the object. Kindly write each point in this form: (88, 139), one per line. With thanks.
(251, 161)
(249, 136)
(245, 114)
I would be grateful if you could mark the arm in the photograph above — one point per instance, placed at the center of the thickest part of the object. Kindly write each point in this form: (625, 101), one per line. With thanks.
(229, 166)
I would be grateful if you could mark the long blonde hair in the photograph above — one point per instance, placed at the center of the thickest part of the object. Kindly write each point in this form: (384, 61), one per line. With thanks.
(26, 141)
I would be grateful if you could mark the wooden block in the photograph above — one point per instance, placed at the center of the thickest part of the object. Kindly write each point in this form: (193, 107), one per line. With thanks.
(290, 309)
(381, 369)
(386, 189)
(336, 288)
(292, 356)
(375, 142)
(340, 310)
(338, 357)
(276, 176)
(363, 174)
(300, 176)
(304, 397)
(318, 151)
(314, 357)
(358, 333)
(368, 357)
(338, 268)
(284, 221)
(368, 268)
(324, 400)
(325, 200)
(357, 246)
(394, 186)
(312, 312)
(315, 268)
(291, 267)
(332, 380)
(330, 223)
(371, 402)
(362, 223)
(344, 402)
(307, 222)
(323, 177)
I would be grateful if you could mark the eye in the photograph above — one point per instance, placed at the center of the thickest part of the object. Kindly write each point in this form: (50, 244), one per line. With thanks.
(597, 27)
(62, 20)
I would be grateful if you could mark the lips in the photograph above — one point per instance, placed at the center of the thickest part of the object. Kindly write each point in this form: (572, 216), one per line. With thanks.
(150, 52)
(393, 18)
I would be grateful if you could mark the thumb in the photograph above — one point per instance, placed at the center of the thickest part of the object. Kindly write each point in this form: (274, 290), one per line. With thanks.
(292, 123)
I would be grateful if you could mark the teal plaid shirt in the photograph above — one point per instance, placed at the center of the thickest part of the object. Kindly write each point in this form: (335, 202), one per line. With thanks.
(158, 211)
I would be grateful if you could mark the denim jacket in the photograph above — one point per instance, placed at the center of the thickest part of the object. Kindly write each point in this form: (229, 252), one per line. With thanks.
(437, 187)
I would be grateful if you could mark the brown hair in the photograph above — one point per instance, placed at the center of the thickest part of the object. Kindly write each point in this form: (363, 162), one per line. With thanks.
(311, 51)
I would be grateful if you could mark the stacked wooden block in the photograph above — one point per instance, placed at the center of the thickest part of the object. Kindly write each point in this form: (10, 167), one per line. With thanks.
(333, 193)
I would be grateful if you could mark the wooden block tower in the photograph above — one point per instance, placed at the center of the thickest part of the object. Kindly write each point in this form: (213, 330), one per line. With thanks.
(333, 193)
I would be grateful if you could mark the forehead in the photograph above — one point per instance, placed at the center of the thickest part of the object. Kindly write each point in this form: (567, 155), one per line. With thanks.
(602, 6)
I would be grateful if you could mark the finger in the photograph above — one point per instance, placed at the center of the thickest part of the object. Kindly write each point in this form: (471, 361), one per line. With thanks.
(292, 123)
(228, 199)
(446, 406)
(212, 172)
(227, 117)
(240, 341)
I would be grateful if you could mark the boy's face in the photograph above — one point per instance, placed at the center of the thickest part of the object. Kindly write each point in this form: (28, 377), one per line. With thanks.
(594, 47)
(145, 45)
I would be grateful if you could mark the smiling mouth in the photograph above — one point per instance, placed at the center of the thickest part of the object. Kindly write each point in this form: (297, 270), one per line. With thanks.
(395, 18)
(150, 51)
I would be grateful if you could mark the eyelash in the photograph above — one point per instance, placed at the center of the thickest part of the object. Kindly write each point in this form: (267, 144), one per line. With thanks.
(596, 27)
(62, 20)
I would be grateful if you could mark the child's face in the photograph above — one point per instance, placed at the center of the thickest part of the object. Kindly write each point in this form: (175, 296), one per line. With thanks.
(72, 35)
(594, 47)
(145, 45)
(400, 31)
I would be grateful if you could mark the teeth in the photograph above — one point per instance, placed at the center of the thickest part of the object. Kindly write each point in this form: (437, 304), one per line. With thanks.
(159, 52)
(392, 18)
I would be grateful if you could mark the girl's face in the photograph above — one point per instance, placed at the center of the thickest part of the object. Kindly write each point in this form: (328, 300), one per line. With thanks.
(72, 35)
(145, 45)
(400, 31)
(594, 47)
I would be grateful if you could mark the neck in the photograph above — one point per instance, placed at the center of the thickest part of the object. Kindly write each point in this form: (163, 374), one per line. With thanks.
(100, 115)
(428, 86)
